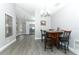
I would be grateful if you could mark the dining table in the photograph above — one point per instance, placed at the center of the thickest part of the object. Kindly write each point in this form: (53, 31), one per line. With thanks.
(55, 36)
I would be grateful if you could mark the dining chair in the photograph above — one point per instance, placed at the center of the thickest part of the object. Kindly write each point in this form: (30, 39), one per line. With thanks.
(55, 38)
(64, 41)
(48, 42)
(42, 35)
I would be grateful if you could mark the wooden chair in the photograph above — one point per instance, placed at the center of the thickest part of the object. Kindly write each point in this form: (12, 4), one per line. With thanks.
(55, 38)
(64, 41)
(42, 34)
(48, 42)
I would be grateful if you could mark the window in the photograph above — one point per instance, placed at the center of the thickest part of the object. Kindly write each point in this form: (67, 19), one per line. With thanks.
(8, 25)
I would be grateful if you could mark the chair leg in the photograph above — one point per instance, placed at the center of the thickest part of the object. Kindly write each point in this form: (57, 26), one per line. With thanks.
(45, 46)
(58, 45)
(42, 38)
(65, 49)
(68, 47)
(52, 47)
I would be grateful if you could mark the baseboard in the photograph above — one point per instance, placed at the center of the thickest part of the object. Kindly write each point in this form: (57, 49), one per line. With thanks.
(37, 38)
(21, 34)
(74, 51)
(5, 46)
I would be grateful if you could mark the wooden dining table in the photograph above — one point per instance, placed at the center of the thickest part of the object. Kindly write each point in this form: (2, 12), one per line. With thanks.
(55, 36)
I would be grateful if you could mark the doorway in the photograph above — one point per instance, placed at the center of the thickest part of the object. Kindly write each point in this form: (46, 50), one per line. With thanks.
(32, 29)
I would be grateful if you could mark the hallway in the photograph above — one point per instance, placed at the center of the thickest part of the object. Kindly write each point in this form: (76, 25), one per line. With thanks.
(27, 45)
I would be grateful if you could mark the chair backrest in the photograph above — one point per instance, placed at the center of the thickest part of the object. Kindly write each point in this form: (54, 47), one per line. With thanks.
(66, 34)
(46, 35)
(42, 31)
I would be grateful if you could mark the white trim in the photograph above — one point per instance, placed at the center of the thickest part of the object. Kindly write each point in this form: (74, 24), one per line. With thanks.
(37, 38)
(5, 46)
(74, 51)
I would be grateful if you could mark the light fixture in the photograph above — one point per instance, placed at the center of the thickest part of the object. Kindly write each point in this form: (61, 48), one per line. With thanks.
(45, 13)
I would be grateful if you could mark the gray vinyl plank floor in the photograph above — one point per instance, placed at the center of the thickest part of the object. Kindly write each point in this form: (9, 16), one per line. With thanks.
(27, 45)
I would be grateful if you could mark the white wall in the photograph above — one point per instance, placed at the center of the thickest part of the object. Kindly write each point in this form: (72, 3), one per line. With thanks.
(10, 10)
(23, 15)
(38, 26)
(21, 26)
(68, 18)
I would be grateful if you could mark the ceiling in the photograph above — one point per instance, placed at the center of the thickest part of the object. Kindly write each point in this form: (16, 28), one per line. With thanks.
(29, 8)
